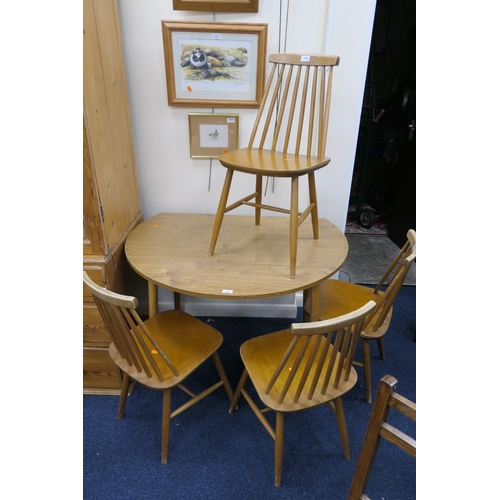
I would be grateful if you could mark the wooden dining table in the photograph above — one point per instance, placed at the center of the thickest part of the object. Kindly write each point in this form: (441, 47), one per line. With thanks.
(170, 251)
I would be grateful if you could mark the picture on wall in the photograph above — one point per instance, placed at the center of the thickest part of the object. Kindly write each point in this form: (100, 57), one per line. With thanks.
(220, 6)
(212, 134)
(214, 64)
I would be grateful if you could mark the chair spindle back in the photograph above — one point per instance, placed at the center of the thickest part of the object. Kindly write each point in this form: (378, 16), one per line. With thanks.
(399, 269)
(129, 334)
(311, 346)
(298, 92)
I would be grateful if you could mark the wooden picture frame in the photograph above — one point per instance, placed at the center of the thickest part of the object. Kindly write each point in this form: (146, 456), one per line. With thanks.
(214, 64)
(220, 6)
(212, 134)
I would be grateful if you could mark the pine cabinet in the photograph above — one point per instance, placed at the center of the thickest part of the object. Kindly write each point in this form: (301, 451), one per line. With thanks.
(111, 205)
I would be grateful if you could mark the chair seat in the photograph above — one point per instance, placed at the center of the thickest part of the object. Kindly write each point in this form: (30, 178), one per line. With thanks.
(341, 297)
(262, 354)
(269, 163)
(187, 340)
(302, 367)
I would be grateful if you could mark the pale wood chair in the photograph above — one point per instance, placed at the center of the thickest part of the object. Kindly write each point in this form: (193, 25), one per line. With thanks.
(300, 368)
(290, 133)
(159, 353)
(385, 399)
(339, 297)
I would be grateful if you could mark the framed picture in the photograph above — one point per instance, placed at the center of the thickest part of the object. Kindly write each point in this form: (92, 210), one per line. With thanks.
(212, 134)
(213, 64)
(221, 6)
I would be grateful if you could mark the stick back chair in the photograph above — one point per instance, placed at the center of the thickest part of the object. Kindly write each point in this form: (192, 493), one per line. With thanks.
(288, 140)
(378, 428)
(159, 353)
(307, 365)
(339, 297)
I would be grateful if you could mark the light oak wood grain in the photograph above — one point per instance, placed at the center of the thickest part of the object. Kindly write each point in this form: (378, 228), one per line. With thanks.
(159, 353)
(378, 428)
(288, 139)
(307, 365)
(340, 297)
(170, 251)
(111, 206)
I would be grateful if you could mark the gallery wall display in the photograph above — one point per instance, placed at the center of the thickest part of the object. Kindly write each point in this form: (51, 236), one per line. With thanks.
(212, 134)
(221, 6)
(214, 64)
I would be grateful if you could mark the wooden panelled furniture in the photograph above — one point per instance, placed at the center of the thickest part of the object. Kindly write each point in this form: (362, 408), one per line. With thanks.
(379, 428)
(111, 207)
(160, 353)
(290, 133)
(300, 368)
(339, 297)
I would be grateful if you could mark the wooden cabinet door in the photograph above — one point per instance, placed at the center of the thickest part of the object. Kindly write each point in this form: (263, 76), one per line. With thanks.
(93, 232)
(107, 120)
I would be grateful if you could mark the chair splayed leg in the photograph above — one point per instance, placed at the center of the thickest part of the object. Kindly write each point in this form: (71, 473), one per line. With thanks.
(300, 368)
(297, 101)
(158, 352)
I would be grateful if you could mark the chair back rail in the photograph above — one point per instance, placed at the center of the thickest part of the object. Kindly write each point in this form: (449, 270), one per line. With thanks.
(399, 269)
(130, 336)
(409, 250)
(378, 429)
(292, 98)
(310, 346)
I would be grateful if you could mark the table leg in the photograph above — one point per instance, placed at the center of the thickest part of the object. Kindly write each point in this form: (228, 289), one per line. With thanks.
(177, 301)
(152, 299)
(313, 293)
(305, 305)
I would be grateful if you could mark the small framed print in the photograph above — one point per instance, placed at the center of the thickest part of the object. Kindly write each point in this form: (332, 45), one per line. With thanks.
(212, 134)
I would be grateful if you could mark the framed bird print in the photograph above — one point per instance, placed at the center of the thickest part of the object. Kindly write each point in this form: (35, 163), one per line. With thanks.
(212, 134)
(217, 6)
(214, 64)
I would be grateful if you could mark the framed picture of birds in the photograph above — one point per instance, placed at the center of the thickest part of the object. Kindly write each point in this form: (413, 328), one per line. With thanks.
(214, 64)
(220, 6)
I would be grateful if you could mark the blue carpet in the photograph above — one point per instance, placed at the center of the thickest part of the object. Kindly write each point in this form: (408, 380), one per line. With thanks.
(215, 455)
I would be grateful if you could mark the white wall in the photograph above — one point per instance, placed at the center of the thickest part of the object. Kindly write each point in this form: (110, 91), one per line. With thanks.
(171, 181)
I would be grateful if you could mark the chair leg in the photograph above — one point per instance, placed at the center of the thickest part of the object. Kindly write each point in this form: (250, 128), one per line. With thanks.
(258, 198)
(314, 199)
(294, 224)
(222, 375)
(381, 349)
(219, 216)
(237, 392)
(278, 448)
(165, 425)
(339, 411)
(367, 370)
(371, 440)
(123, 393)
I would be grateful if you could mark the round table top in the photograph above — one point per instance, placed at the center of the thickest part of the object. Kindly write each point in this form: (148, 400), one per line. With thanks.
(249, 262)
